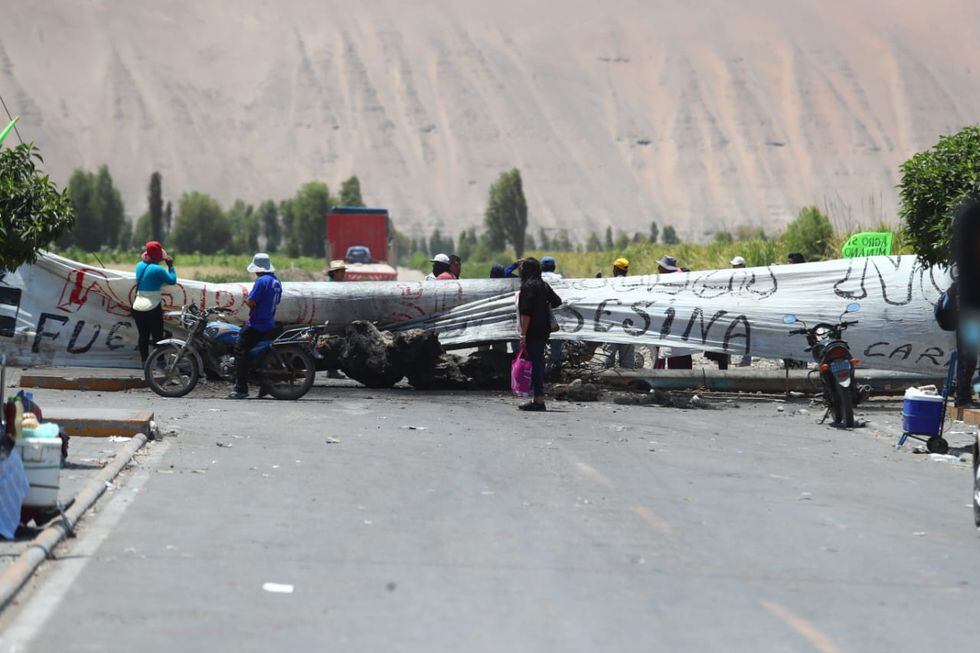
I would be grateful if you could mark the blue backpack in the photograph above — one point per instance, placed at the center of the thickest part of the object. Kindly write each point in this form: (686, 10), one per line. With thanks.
(946, 310)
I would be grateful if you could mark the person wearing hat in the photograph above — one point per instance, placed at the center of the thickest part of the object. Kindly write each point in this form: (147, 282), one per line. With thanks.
(625, 353)
(262, 302)
(680, 358)
(151, 276)
(621, 267)
(440, 265)
(738, 263)
(337, 271)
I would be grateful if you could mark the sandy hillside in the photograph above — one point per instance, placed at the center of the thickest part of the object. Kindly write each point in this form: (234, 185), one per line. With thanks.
(705, 114)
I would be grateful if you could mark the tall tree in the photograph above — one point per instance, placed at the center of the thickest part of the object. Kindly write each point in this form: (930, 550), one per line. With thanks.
(168, 218)
(609, 239)
(33, 212)
(350, 192)
(155, 198)
(201, 225)
(506, 214)
(543, 241)
(670, 236)
(268, 218)
(304, 220)
(109, 206)
(592, 244)
(244, 225)
(654, 232)
(87, 232)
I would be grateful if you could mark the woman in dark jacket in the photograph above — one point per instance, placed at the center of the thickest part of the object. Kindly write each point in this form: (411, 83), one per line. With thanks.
(534, 304)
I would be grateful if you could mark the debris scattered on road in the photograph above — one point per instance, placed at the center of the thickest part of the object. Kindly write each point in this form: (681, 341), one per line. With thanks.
(331, 441)
(409, 427)
(226, 445)
(944, 458)
(277, 588)
(119, 438)
(577, 390)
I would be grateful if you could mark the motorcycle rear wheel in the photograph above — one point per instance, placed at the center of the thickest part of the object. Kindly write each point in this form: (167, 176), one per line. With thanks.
(843, 406)
(175, 382)
(288, 373)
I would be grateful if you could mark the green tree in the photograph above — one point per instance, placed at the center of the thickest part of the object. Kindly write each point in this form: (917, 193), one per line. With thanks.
(350, 192)
(654, 232)
(168, 218)
(33, 212)
(609, 239)
(155, 200)
(529, 242)
(142, 230)
(562, 243)
(935, 184)
(109, 207)
(506, 214)
(304, 220)
(622, 241)
(639, 239)
(592, 243)
(87, 229)
(439, 244)
(543, 241)
(466, 244)
(268, 218)
(201, 225)
(245, 228)
(669, 236)
(810, 234)
(723, 237)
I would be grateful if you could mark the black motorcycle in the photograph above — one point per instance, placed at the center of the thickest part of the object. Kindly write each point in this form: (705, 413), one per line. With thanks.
(836, 364)
(283, 366)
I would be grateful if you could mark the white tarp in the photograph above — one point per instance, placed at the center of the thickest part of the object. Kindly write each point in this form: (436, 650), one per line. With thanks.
(741, 311)
(66, 313)
(62, 312)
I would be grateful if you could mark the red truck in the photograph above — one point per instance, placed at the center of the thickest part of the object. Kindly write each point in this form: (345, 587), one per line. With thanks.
(359, 237)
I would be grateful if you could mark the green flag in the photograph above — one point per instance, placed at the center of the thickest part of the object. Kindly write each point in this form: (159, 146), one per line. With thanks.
(868, 243)
(6, 131)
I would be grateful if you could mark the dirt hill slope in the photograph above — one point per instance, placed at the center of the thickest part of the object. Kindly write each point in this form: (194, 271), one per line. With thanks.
(703, 114)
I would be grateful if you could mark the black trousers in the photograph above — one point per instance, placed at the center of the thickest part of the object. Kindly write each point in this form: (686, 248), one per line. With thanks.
(149, 324)
(966, 367)
(248, 337)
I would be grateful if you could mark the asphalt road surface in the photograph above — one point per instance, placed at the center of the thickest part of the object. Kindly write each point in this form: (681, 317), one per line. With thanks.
(408, 521)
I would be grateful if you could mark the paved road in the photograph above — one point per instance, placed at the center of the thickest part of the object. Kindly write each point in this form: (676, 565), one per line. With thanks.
(591, 528)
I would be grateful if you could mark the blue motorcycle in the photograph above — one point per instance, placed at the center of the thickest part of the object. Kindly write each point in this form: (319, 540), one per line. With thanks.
(282, 367)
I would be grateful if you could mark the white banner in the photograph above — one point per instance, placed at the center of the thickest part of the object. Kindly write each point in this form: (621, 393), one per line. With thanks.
(741, 311)
(65, 313)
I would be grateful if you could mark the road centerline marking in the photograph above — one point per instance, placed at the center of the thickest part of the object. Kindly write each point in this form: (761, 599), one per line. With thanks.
(803, 628)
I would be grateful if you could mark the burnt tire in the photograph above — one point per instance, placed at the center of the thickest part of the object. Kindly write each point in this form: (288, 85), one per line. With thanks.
(288, 373)
(170, 372)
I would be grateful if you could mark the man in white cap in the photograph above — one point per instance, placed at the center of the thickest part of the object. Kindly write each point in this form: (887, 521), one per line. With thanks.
(440, 265)
(738, 263)
(262, 302)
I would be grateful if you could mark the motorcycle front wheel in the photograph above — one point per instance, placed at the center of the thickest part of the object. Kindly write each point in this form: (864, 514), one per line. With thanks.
(843, 406)
(170, 372)
(288, 372)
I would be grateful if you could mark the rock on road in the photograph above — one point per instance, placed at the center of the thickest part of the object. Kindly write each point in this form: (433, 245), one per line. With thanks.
(407, 521)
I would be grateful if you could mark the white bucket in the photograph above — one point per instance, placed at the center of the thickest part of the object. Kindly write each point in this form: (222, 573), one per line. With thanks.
(42, 464)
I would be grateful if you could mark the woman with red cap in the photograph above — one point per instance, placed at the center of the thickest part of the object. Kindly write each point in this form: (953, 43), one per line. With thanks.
(151, 275)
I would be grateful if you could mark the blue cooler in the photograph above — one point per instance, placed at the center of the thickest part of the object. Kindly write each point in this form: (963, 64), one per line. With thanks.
(922, 413)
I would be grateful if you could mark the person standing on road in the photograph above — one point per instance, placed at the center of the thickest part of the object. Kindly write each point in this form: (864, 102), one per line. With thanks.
(680, 358)
(966, 249)
(151, 275)
(624, 352)
(535, 301)
(262, 302)
(549, 273)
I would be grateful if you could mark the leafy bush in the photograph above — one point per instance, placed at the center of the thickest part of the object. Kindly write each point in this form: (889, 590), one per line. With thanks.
(934, 185)
(811, 234)
(33, 213)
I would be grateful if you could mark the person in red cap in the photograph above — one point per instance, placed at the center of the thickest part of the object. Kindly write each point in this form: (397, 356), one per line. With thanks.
(154, 270)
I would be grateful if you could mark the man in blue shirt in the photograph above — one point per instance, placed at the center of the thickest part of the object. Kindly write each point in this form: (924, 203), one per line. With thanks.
(262, 302)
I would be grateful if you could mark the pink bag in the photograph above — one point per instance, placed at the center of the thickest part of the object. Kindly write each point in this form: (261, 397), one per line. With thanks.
(520, 374)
